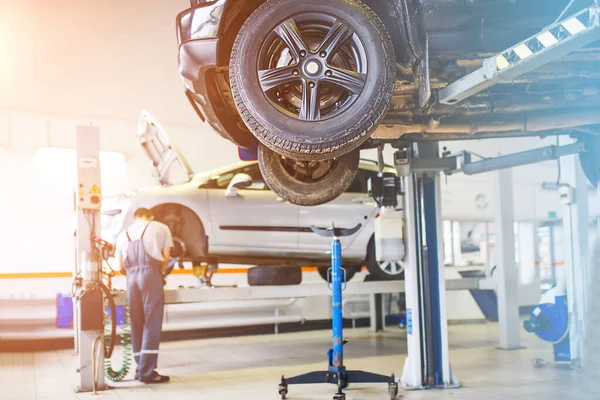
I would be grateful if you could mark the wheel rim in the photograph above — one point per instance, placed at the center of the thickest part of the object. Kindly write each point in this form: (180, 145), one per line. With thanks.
(307, 171)
(312, 67)
(391, 267)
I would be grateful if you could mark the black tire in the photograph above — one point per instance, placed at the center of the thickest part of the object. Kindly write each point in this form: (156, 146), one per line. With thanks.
(274, 276)
(350, 272)
(375, 268)
(292, 186)
(339, 134)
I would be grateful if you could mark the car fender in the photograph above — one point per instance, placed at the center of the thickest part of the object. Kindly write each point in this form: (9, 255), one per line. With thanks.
(187, 195)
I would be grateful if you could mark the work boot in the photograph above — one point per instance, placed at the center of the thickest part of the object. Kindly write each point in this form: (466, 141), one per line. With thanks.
(156, 378)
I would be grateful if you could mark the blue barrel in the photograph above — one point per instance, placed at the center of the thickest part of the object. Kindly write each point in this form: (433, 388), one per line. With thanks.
(121, 319)
(64, 311)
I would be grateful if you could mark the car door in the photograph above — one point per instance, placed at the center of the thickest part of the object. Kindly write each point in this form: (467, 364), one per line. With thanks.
(353, 207)
(252, 221)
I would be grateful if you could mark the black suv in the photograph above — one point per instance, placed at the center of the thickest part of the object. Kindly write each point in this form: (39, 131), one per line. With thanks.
(308, 83)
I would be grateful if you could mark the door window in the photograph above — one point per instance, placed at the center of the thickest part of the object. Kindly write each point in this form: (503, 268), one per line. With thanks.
(222, 181)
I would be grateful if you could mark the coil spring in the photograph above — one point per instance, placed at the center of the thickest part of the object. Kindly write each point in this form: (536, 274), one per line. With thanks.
(125, 341)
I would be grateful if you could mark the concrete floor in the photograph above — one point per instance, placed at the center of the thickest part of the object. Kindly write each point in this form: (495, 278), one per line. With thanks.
(249, 368)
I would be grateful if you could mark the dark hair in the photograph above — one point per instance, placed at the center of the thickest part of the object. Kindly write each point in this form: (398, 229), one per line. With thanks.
(143, 213)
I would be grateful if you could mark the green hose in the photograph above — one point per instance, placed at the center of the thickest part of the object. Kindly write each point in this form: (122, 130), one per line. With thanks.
(125, 341)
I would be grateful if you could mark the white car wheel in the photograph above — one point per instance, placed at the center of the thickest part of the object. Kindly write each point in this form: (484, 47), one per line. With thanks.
(383, 270)
(391, 267)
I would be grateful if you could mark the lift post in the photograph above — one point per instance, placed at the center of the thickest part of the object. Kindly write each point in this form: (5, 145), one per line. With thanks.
(89, 304)
(428, 363)
(576, 228)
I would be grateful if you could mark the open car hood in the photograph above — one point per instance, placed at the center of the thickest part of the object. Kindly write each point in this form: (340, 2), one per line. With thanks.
(169, 164)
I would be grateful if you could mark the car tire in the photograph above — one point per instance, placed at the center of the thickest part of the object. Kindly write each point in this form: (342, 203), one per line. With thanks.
(338, 128)
(350, 272)
(382, 271)
(274, 276)
(288, 178)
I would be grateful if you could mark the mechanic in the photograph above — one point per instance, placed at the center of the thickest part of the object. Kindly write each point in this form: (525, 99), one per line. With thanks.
(143, 253)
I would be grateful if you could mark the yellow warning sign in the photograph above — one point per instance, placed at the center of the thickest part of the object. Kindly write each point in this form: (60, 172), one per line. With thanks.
(95, 190)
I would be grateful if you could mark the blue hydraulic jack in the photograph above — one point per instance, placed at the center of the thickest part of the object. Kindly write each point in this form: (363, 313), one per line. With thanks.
(336, 373)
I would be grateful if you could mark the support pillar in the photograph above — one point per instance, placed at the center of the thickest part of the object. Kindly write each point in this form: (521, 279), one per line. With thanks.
(428, 362)
(377, 315)
(507, 274)
(575, 194)
(90, 303)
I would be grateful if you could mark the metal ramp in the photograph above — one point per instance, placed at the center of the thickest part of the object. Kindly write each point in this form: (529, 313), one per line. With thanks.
(554, 42)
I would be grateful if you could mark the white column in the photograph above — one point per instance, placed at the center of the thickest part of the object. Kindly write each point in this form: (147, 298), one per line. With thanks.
(576, 229)
(507, 275)
(411, 375)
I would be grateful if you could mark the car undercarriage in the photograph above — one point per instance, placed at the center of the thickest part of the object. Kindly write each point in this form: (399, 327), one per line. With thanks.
(326, 80)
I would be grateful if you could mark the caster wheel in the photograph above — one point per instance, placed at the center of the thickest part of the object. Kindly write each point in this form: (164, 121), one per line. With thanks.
(393, 388)
(283, 393)
(538, 363)
(283, 389)
(339, 396)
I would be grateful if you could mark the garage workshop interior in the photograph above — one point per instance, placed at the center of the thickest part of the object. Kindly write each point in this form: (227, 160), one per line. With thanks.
(316, 199)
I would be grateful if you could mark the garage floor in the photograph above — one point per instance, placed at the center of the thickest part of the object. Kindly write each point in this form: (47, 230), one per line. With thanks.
(249, 368)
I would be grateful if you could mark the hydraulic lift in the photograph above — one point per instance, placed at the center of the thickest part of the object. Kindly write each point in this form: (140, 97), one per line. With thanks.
(88, 287)
(554, 42)
(420, 165)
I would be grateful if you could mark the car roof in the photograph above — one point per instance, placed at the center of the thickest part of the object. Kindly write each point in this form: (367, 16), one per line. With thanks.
(367, 164)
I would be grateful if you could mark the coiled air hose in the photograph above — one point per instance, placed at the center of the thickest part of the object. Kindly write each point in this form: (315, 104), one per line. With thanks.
(125, 341)
(110, 338)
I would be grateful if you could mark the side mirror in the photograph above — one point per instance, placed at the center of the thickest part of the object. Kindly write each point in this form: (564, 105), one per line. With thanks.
(239, 181)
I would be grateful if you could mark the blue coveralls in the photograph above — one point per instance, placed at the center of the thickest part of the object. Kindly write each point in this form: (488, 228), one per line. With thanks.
(146, 305)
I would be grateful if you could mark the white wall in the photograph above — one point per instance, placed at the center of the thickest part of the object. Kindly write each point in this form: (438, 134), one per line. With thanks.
(85, 58)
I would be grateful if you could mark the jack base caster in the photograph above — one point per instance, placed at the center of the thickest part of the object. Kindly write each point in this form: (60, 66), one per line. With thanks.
(339, 396)
(393, 388)
(393, 391)
(283, 389)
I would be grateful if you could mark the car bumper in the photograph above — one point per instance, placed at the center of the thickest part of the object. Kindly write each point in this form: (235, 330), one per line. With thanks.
(207, 84)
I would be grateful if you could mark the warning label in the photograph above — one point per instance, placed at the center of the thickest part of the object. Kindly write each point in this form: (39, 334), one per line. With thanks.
(95, 190)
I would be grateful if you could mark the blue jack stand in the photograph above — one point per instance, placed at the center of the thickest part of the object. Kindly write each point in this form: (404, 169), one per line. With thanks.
(336, 373)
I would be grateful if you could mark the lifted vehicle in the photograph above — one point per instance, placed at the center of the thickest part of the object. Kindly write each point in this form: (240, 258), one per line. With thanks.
(315, 81)
(230, 215)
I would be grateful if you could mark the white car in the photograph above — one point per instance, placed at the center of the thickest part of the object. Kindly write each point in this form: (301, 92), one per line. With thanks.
(229, 215)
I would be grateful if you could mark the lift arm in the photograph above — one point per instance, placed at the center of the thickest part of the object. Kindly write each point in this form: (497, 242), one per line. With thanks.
(462, 161)
(554, 42)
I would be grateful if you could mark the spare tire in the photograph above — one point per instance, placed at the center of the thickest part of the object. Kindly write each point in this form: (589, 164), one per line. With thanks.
(312, 79)
(274, 276)
(307, 183)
